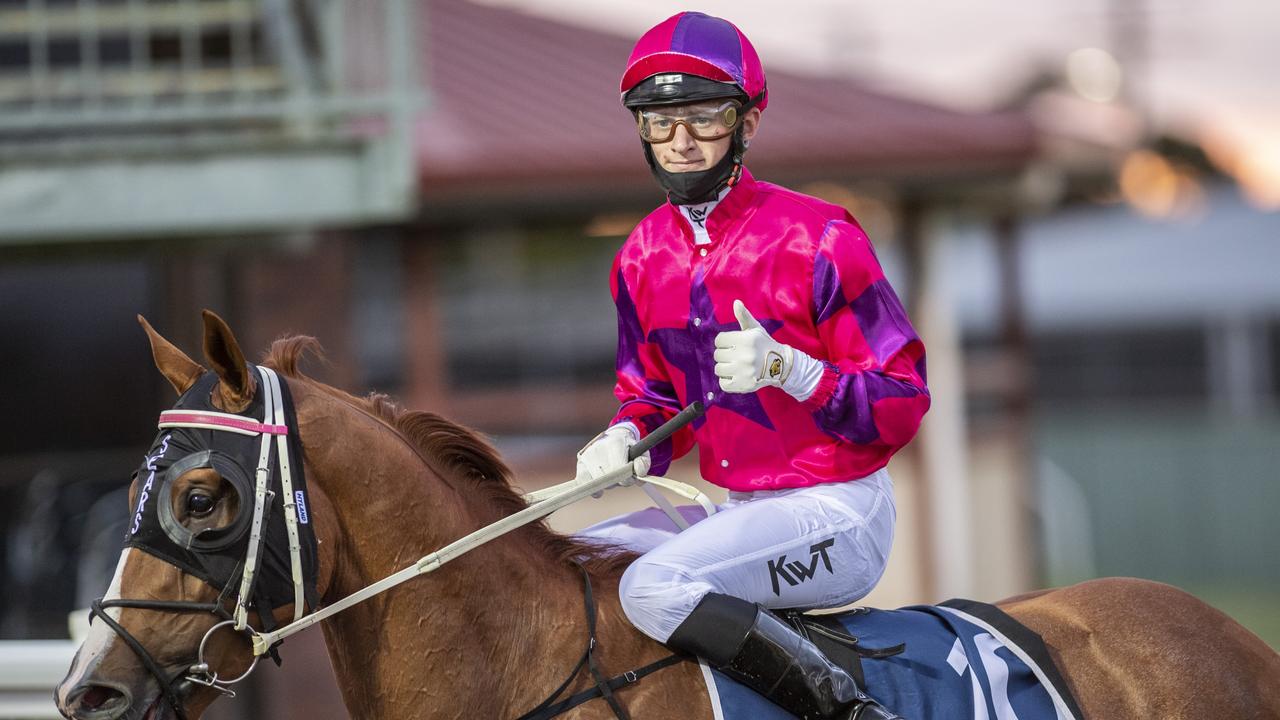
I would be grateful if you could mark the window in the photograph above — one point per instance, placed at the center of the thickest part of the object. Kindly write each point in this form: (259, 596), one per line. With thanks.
(528, 306)
(1121, 365)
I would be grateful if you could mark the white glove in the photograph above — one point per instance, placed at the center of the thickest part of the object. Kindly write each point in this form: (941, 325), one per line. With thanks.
(608, 452)
(749, 359)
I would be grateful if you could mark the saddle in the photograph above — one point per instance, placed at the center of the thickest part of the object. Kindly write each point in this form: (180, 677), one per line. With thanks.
(959, 660)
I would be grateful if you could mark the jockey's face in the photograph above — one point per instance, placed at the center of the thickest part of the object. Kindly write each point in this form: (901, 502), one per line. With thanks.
(686, 153)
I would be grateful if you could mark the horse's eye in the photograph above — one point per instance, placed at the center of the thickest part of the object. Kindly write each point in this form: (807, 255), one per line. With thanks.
(199, 504)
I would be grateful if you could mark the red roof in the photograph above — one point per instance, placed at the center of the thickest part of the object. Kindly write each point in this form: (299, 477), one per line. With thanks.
(521, 105)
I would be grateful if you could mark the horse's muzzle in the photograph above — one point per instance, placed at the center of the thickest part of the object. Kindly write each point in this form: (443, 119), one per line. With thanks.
(94, 701)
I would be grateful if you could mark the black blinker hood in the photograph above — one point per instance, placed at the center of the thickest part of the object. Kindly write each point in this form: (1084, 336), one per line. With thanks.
(217, 556)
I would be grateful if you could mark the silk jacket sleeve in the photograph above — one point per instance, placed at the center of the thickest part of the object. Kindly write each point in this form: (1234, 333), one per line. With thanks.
(647, 395)
(872, 390)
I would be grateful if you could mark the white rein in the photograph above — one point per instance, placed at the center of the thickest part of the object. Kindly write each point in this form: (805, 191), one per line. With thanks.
(541, 503)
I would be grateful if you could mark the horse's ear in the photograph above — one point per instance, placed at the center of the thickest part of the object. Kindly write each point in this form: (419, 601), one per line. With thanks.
(180, 370)
(223, 353)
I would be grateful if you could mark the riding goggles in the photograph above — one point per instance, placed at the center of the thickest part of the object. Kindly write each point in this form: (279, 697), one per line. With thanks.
(703, 121)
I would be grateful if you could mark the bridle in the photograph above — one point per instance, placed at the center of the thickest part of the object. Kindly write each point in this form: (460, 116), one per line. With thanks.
(274, 431)
(199, 671)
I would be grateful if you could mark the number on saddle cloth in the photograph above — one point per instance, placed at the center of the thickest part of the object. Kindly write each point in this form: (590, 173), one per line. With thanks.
(961, 660)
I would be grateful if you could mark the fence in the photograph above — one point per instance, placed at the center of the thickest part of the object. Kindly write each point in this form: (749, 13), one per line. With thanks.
(121, 118)
(29, 671)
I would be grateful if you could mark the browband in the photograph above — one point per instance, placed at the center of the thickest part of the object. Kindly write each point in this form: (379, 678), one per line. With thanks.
(218, 421)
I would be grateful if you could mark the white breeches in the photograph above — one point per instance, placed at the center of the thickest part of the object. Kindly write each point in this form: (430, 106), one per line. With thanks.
(815, 547)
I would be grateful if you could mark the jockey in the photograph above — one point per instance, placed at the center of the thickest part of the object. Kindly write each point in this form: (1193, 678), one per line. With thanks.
(770, 307)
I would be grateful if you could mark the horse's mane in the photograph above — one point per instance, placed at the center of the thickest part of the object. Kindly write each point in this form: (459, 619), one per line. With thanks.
(457, 449)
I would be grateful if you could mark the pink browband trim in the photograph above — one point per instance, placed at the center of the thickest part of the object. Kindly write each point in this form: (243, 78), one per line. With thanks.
(170, 418)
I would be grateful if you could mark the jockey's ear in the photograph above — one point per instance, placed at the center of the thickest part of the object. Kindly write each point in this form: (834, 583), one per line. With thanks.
(223, 353)
(180, 370)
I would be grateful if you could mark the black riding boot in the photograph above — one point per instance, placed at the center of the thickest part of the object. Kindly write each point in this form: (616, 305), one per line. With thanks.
(752, 646)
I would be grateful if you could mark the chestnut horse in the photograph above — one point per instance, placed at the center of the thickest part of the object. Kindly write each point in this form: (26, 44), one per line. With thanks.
(493, 633)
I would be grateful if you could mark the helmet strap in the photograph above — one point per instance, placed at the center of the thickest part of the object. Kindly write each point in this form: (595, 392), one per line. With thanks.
(742, 111)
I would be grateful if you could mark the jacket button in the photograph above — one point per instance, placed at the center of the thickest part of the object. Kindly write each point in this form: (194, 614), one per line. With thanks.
(724, 463)
(703, 252)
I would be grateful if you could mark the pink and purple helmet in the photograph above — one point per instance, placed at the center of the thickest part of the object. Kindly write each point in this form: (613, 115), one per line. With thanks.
(693, 45)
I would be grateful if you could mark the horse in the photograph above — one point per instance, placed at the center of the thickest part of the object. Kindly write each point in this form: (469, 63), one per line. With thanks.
(492, 633)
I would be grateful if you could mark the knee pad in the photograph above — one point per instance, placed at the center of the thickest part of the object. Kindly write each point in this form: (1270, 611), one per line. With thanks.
(657, 598)
(716, 629)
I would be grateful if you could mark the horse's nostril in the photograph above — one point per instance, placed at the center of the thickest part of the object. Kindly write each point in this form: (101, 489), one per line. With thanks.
(96, 696)
(103, 701)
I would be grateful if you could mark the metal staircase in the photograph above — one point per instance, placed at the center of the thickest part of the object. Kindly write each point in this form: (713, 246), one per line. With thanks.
(131, 118)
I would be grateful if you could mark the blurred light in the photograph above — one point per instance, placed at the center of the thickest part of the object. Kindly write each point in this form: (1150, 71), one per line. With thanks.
(1041, 187)
(612, 225)
(1253, 161)
(873, 214)
(1260, 175)
(1157, 188)
(1094, 74)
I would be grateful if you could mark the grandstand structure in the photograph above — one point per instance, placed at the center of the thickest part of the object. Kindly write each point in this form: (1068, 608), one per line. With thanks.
(136, 118)
(123, 120)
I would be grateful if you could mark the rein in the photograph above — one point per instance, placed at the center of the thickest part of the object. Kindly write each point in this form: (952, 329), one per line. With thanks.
(572, 492)
(274, 431)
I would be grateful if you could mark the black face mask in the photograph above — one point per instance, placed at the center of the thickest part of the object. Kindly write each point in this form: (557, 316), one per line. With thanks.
(217, 555)
(699, 186)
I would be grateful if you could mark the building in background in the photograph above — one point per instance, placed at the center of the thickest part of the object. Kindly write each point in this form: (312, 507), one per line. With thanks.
(436, 191)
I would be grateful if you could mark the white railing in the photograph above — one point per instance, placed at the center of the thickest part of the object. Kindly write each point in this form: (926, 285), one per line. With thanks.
(207, 65)
(169, 118)
(29, 671)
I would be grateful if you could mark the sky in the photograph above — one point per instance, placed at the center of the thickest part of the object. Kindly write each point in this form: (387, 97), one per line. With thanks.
(1204, 68)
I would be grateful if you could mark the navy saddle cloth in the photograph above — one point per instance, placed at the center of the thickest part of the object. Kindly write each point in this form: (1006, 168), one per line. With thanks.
(962, 660)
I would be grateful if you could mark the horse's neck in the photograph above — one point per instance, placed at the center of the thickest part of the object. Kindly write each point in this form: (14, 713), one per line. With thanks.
(436, 645)
(468, 640)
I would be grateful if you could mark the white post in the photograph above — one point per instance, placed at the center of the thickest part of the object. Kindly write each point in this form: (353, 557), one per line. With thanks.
(944, 455)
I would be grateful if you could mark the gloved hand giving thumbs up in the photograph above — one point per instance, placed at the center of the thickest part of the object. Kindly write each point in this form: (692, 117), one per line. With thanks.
(749, 359)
